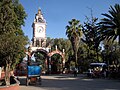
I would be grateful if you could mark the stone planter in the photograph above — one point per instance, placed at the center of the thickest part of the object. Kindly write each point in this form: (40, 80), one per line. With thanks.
(12, 86)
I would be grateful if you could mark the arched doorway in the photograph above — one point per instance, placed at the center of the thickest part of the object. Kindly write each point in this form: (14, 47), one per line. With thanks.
(38, 57)
(56, 65)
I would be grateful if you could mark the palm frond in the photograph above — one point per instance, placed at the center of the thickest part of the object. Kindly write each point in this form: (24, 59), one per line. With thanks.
(108, 16)
(117, 8)
(114, 37)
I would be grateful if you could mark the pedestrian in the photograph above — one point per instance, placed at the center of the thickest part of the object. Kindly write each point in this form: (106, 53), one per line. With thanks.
(75, 72)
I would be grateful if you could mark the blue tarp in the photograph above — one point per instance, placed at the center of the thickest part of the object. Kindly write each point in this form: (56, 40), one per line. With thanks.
(34, 71)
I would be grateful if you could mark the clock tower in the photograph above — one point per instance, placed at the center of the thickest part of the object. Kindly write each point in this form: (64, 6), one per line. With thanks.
(39, 30)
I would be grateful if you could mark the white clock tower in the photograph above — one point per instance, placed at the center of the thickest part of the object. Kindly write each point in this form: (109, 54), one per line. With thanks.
(39, 30)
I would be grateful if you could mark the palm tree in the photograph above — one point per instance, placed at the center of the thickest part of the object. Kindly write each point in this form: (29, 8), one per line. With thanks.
(111, 23)
(74, 33)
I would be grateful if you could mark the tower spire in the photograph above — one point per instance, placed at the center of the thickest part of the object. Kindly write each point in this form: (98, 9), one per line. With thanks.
(39, 11)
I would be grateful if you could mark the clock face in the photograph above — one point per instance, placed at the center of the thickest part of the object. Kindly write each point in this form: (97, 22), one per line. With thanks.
(40, 29)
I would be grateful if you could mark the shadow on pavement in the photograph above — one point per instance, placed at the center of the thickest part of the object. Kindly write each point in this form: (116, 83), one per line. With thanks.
(22, 80)
(68, 82)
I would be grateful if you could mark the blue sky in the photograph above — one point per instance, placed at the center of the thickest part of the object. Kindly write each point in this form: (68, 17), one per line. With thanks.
(58, 12)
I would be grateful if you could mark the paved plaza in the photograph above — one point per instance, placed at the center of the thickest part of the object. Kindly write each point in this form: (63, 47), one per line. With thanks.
(68, 82)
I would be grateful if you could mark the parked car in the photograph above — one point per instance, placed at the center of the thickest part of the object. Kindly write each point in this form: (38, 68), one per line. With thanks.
(97, 70)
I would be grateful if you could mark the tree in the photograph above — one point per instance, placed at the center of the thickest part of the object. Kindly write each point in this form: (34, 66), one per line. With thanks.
(111, 23)
(74, 33)
(91, 30)
(12, 39)
(49, 42)
(110, 53)
(40, 59)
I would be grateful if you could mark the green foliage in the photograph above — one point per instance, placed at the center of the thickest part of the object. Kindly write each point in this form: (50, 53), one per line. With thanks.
(91, 30)
(12, 39)
(73, 32)
(20, 12)
(39, 57)
(111, 23)
(56, 58)
(111, 52)
(49, 42)
(11, 46)
(7, 16)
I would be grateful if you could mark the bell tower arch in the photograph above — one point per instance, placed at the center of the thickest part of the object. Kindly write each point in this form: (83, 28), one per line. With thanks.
(39, 42)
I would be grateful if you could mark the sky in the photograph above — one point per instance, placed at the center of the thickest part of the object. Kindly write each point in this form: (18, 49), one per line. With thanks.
(57, 13)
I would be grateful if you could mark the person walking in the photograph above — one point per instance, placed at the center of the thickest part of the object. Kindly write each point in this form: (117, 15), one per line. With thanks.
(75, 72)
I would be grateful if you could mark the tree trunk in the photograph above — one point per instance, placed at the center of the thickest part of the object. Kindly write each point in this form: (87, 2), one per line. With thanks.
(76, 64)
(7, 75)
(97, 54)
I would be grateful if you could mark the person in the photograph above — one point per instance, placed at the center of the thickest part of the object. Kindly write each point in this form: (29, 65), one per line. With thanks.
(75, 72)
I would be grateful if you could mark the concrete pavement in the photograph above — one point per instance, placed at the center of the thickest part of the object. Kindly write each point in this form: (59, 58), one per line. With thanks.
(69, 82)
